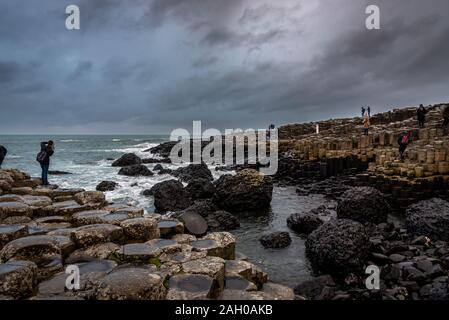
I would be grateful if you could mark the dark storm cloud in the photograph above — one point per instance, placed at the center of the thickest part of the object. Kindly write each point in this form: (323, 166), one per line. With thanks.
(154, 65)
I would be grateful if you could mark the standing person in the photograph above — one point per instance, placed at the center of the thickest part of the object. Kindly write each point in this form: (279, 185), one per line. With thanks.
(366, 124)
(403, 142)
(3, 153)
(421, 112)
(363, 112)
(445, 119)
(369, 111)
(43, 157)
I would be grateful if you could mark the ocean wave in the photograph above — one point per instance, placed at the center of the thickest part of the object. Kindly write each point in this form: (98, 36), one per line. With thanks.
(116, 140)
(71, 140)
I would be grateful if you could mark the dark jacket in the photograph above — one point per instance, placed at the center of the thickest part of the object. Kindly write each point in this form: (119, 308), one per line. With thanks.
(3, 153)
(49, 152)
(421, 113)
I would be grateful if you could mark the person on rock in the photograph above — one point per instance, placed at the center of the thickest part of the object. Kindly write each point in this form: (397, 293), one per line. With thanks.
(43, 157)
(3, 153)
(366, 124)
(445, 119)
(421, 113)
(363, 112)
(369, 111)
(403, 142)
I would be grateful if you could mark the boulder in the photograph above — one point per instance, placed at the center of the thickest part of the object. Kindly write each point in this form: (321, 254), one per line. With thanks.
(96, 233)
(140, 229)
(429, 218)
(193, 223)
(364, 205)
(17, 278)
(193, 172)
(247, 190)
(158, 167)
(304, 223)
(338, 247)
(170, 196)
(203, 207)
(126, 160)
(222, 221)
(200, 189)
(276, 240)
(106, 186)
(135, 170)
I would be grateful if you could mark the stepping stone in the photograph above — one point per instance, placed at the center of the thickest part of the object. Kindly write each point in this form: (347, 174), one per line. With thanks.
(183, 256)
(213, 267)
(65, 208)
(47, 224)
(184, 238)
(226, 244)
(11, 198)
(17, 278)
(87, 197)
(22, 190)
(132, 283)
(141, 252)
(95, 252)
(8, 209)
(246, 270)
(190, 287)
(37, 201)
(194, 223)
(89, 217)
(239, 283)
(12, 232)
(166, 245)
(31, 248)
(96, 233)
(168, 228)
(132, 212)
(140, 229)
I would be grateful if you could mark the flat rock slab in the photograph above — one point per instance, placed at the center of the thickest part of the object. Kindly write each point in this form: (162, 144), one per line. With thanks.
(66, 208)
(140, 229)
(226, 244)
(190, 287)
(213, 267)
(17, 278)
(95, 252)
(246, 270)
(184, 238)
(11, 232)
(96, 233)
(194, 223)
(8, 209)
(166, 245)
(239, 283)
(138, 252)
(99, 217)
(132, 212)
(132, 283)
(37, 201)
(168, 228)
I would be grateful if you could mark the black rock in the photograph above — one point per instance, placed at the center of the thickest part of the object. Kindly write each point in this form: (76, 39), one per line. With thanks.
(222, 221)
(276, 240)
(429, 218)
(304, 223)
(200, 189)
(153, 160)
(135, 170)
(363, 204)
(313, 288)
(106, 186)
(128, 159)
(192, 172)
(338, 247)
(193, 223)
(170, 196)
(158, 167)
(204, 207)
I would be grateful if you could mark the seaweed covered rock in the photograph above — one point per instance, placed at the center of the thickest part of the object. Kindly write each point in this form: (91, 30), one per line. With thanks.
(429, 218)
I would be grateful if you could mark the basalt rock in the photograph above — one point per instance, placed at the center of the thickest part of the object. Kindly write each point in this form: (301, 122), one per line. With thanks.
(128, 159)
(200, 189)
(96, 233)
(106, 186)
(135, 170)
(304, 223)
(141, 229)
(363, 204)
(338, 247)
(17, 278)
(276, 240)
(193, 172)
(222, 221)
(247, 190)
(170, 196)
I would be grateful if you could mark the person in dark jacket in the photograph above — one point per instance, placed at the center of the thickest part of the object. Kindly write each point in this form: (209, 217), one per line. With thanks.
(3, 153)
(421, 112)
(49, 149)
(403, 142)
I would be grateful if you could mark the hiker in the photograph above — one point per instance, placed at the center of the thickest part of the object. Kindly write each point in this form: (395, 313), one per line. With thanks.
(421, 112)
(445, 119)
(43, 157)
(3, 153)
(363, 112)
(403, 142)
(366, 124)
(369, 111)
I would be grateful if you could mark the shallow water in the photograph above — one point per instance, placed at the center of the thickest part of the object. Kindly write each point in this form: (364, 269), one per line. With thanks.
(86, 157)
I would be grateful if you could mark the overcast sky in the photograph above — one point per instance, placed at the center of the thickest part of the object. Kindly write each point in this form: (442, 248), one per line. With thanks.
(150, 66)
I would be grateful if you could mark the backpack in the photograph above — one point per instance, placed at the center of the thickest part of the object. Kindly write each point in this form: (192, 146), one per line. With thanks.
(41, 156)
(404, 140)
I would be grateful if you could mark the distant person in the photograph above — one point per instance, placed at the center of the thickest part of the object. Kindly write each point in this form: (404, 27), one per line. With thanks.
(445, 119)
(363, 112)
(421, 113)
(43, 157)
(369, 111)
(366, 124)
(3, 153)
(403, 142)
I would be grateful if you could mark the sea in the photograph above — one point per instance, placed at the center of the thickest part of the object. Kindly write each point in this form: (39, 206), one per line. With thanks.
(88, 159)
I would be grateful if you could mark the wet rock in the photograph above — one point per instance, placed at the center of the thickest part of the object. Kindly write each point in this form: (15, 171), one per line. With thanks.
(213, 267)
(200, 189)
(89, 217)
(193, 172)
(128, 159)
(224, 245)
(12, 232)
(313, 288)
(99, 251)
(8, 209)
(65, 208)
(276, 240)
(97, 233)
(170, 196)
(364, 205)
(338, 247)
(132, 283)
(37, 201)
(135, 170)
(239, 283)
(168, 228)
(246, 270)
(429, 218)
(278, 291)
(304, 223)
(141, 229)
(203, 207)
(437, 290)
(165, 245)
(17, 278)
(138, 252)
(193, 223)
(190, 287)
(106, 186)
(247, 190)
(222, 221)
